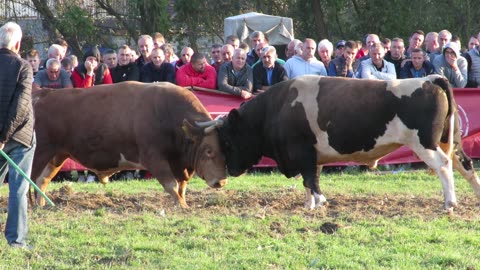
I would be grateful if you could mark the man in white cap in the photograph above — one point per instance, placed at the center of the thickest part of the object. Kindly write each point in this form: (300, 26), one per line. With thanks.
(452, 65)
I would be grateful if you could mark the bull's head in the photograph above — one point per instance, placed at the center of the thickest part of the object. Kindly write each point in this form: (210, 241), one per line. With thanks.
(239, 143)
(208, 159)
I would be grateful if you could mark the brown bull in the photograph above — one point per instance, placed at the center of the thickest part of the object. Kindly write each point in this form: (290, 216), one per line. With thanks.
(128, 125)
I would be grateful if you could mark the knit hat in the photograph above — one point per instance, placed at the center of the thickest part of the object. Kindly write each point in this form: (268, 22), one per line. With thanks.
(454, 46)
(93, 51)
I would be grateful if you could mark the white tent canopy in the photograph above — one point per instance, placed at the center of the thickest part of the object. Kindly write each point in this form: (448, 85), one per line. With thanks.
(279, 30)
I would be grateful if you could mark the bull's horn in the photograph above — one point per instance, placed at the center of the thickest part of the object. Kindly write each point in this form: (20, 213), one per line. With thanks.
(209, 125)
(214, 123)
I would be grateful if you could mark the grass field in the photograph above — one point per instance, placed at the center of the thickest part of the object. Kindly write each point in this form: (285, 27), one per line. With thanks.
(373, 221)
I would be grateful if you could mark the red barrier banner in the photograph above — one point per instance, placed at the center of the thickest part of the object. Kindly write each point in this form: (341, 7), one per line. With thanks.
(468, 101)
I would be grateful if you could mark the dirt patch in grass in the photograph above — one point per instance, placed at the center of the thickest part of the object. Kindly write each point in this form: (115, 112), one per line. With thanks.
(261, 204)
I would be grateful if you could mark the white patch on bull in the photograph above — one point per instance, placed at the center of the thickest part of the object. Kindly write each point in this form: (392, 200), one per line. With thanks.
(124, 163)
(405, 87)
(309, 199)
(442, 165)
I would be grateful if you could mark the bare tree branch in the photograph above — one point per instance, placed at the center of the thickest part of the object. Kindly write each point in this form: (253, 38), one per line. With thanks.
(126, 24)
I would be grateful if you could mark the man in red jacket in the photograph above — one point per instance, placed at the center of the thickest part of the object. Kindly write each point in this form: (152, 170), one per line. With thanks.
(197, 73)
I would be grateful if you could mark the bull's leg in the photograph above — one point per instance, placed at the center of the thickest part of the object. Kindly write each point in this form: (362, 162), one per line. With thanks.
(464, 165)
(182, 189)
(442, 165)
(313, 195)
(49, 171)
(165, 177)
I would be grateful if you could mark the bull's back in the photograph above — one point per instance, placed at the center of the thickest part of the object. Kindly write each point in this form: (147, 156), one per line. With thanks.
(343, 116)
(115, 108)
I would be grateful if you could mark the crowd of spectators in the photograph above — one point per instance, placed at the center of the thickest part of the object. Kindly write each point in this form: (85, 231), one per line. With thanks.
(245, 70)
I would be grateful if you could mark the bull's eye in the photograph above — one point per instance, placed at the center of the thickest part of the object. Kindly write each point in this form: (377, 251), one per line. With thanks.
(209, 153)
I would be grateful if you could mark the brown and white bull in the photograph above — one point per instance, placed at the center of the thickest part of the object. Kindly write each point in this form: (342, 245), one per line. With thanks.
(129, 125)
(312, 120)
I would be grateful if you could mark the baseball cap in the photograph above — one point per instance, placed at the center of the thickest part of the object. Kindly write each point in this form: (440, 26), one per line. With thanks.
(340, 43)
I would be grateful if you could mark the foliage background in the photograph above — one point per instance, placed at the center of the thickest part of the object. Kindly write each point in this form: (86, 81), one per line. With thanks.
(84, 22)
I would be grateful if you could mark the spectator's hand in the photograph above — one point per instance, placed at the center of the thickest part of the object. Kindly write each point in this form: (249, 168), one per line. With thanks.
(1, 146)
(246, 94)
(349, 62)
(90, 67)
(452, 61)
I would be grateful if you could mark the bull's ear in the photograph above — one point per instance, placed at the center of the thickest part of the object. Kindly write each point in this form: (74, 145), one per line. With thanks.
(192, 132)
(234, 116)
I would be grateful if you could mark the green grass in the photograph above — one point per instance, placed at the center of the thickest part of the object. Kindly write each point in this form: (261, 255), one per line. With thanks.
(226, 236)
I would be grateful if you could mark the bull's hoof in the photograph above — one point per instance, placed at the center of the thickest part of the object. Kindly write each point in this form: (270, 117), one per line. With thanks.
(320, 200)
(309, 205)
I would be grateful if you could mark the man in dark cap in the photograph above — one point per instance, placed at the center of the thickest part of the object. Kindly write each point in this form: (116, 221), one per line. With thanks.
(91, 72)
(340, 48)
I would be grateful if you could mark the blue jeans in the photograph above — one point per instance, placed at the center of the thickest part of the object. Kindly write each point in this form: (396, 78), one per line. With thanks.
(16, 228)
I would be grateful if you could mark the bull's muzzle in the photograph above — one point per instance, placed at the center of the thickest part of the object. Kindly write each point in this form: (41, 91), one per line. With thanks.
(219, 184)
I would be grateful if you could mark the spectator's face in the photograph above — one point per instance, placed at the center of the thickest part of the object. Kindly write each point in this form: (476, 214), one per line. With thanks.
(56, 54)
(134, 56)
(68, 69)
(450, 54)
(145, 46)
(372, 39)
(227, 54)
(443, 39)
(91, 61)
(157, 43)
(417, 60)
(258, 49)
(34, 62)
(416, 41)
(157, 57)
(377, 55)
(397, 50)
(199, 65)
(324, 54)
(110, 60)
(234, 43)
(217, 55)
(239, 60)
(339, 50)
(350, 53)
(268, 59)
(186, 55)
(53, 72)
(308, 49)
(387, 46)
(256, 41)
(290, 50)
(431, 43)
(124, 56)
(472, 43)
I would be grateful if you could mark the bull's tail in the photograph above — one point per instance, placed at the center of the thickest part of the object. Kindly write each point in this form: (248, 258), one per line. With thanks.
(30, 196)
(448, 137)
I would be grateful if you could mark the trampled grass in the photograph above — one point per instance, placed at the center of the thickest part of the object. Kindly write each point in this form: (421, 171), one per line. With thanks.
(378, 221)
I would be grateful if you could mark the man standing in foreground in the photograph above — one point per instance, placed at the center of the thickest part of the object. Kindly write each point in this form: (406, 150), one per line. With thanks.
(17, 137)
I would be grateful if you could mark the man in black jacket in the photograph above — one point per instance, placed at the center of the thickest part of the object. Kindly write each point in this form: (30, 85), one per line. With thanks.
(268, 72)
(17, 138)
